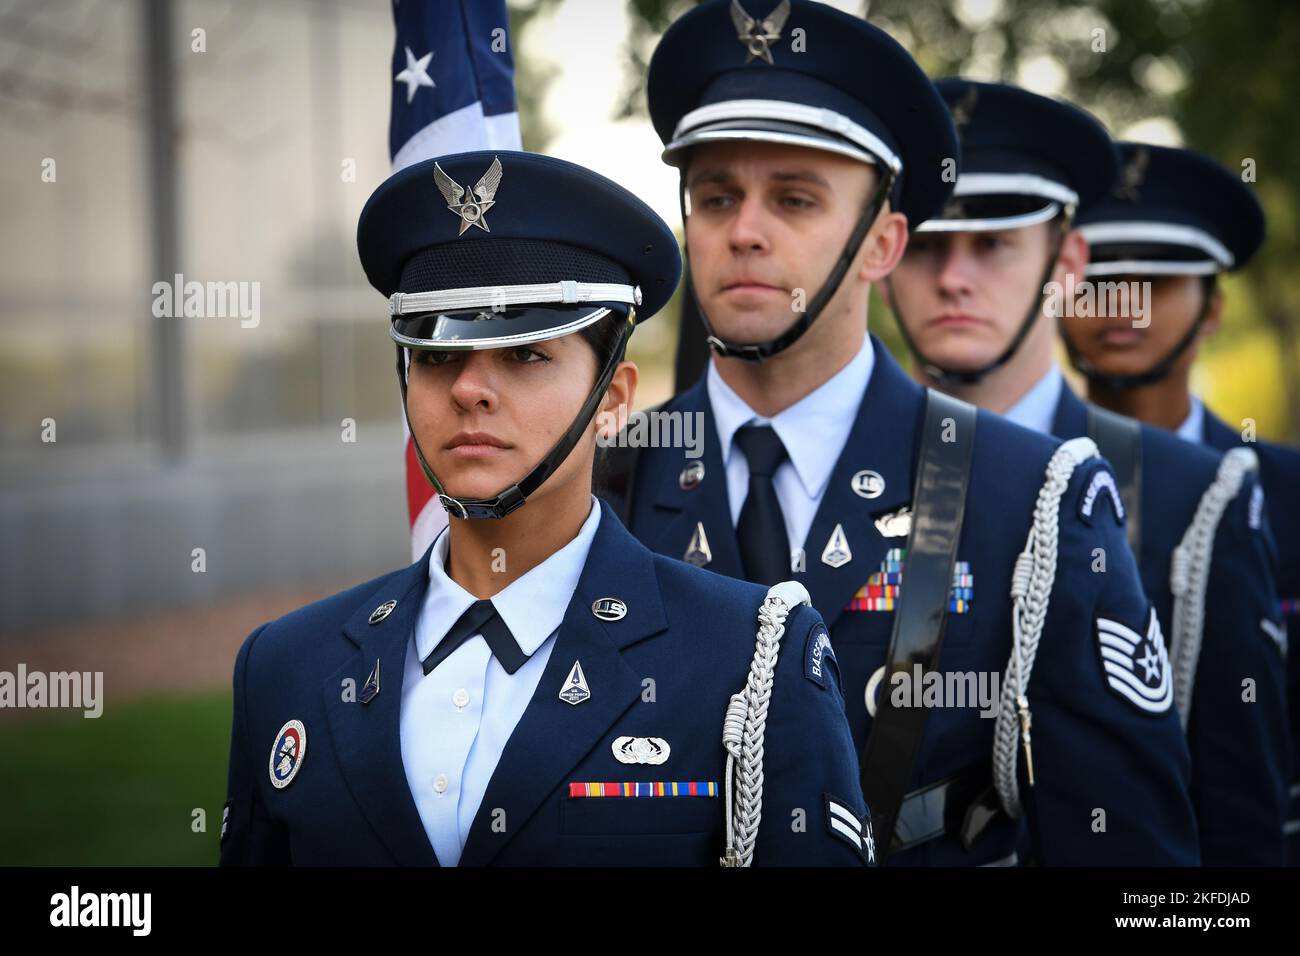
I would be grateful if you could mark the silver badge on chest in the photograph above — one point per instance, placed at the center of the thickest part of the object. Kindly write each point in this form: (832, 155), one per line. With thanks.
(691, 477)
(895, 524)
(641, 750)
(697, 552)
(868, 484)
(575, 689)
(837, 552)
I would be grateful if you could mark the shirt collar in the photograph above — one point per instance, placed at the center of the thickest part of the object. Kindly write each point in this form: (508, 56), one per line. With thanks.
(808, 427)
(532, 606)
(1037, 407)
(1193, 427)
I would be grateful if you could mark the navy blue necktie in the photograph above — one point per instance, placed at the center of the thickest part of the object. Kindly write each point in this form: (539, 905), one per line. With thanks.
(761, 534)
(481, 617)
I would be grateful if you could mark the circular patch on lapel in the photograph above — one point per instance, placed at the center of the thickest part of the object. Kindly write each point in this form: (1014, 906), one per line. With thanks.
(287, 754)
(868, 484)
(381, 612)
(609, 609)
(691, 477)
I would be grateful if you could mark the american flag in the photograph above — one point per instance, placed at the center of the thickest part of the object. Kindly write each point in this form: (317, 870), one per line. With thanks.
(453, 91)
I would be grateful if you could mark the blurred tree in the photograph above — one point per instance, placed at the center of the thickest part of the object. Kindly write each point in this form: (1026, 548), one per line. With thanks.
(532, 76)
(1225, 73)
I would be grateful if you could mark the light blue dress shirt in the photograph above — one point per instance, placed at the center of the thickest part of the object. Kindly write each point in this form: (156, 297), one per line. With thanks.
(456, 720)
(1193, 427)
(814, 431)
(1037, 407)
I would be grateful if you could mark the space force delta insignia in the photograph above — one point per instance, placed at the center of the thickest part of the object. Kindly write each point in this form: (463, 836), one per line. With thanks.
(1136, 665)
(287, 754)
(882, 590)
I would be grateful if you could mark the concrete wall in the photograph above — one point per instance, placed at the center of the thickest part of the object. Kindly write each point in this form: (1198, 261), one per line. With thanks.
(99, 534)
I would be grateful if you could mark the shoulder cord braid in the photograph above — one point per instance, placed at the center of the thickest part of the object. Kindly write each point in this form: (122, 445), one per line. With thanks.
(1031, 589)
(1189, 573)
(745, 722)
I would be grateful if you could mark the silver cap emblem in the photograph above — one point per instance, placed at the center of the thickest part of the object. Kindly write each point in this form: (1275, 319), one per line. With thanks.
(759, 35)
(473, 210)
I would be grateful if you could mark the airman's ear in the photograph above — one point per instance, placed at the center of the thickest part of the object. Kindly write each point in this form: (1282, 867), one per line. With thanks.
(1073, 258)
(884, 245)
(612, 414)
(1213, 313)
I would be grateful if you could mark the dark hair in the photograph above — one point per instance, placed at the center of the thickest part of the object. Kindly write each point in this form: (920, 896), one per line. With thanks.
(603, 337)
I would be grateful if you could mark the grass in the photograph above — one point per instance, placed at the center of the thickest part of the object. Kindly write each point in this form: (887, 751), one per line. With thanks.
(120, 790)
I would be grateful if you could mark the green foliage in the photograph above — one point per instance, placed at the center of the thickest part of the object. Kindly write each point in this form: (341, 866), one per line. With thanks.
(118, 790)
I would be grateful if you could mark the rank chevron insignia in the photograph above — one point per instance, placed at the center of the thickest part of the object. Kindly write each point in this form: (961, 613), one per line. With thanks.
(1136, 665)
(471, 212)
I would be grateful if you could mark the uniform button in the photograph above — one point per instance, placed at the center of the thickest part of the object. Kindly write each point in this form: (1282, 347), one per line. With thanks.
(460, 698)
(440, 784)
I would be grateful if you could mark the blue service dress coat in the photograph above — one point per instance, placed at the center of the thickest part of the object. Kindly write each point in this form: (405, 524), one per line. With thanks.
(688, 632)
(1239, 741)
(1279, 473)
(1111, 783)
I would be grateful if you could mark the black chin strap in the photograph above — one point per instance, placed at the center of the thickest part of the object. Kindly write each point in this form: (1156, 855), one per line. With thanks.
(512, 498)
(765, 350)
(1123, 383)
(949, 378)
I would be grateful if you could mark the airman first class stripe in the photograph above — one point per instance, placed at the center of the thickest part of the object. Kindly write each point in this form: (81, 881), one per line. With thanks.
(645, 789)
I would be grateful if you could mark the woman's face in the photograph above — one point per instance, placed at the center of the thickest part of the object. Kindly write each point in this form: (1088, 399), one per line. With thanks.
(485, 419)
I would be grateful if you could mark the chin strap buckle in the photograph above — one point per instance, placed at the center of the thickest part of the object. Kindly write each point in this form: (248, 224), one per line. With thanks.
(749, 353)
(498, 507)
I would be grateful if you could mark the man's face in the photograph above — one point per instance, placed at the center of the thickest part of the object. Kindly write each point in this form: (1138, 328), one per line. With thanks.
(767, 222)
(1118, 341)
(963, 295)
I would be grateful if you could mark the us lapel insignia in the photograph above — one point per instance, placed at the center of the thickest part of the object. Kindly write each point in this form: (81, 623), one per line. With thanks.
(837, 553)
(691, 477)
(575, 689)
(868, 484)
(609, 609)
(697, 552)
(381, 612)
(287, 753)
(641, 750)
